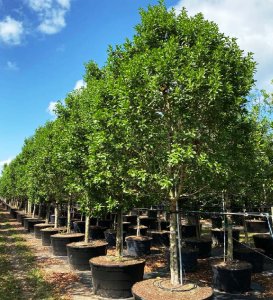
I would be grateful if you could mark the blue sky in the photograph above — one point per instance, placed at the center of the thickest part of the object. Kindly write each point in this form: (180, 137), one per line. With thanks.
(45, 43)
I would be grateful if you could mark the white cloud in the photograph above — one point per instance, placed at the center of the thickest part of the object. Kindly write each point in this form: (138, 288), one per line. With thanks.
(250, 21)
(3, 162)
(80, 84)
(51, 108)
(51, 14)
(12, 66)
(11, 31)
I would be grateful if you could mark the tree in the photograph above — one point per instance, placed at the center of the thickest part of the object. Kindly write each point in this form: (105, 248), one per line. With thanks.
(181, 86)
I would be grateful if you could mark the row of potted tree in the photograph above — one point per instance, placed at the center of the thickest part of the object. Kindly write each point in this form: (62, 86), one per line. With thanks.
(168, 117)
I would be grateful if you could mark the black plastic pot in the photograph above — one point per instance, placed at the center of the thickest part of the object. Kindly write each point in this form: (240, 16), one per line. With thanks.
(152, 213)
(20, 217)
(138, 245)
(130, 218)
(202, 245)
(253, 256)
(163, 224)
(148, 222)
(188, 231)
(256, 226)
(33, 222)
(160, 238)
(218, 236)
(265, 242)
(189, 259)
(105, 223)
(133, 230)
(79, 226)
(216, 222)
(80, 253)
(26, 222)
(62, 220)
(46, 235)
(13, 213)
(38, 227)
(232, 278)
(110, 237)
(115, 279)
(126, 226)
(60, 240)
(96, 232)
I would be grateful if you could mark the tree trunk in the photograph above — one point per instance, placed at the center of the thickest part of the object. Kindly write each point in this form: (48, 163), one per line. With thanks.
(119, 236)
(198, 227)
(29, 207)
(68, 230)
(47, 213)
(138, 224)
(229, 233)
(40, 210)
(56, 214)
(34, 210)
(173, 244)
(87, 224)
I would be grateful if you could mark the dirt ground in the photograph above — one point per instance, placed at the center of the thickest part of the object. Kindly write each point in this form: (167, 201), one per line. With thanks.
(71, 285)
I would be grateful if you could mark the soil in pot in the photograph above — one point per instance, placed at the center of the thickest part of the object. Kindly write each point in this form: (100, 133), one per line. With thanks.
(265, 242)
(257, 226)
(38, 227)
(97, 232)
(203, 246)
(48, 232)
(233, 277)
(110, 237)
(80, 253)
(133, 230)
(160, 238)
(114, 277)
(161, 288)
(60, 240)
(138, 245)
(253, 256)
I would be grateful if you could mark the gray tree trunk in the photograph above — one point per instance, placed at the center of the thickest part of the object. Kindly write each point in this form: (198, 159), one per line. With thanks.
(119, 235)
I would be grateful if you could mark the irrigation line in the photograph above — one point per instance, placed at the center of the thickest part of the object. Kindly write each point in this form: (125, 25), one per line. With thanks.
(159, 282)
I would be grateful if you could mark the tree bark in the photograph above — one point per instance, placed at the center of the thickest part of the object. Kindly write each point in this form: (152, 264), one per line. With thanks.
(173, 244)
(56, 214)
(229, 233)
(34, 210)
(47, 213)
(87, 223)
(119, 235)
(68, 230)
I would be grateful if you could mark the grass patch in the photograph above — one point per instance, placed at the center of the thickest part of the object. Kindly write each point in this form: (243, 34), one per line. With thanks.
(20, 279)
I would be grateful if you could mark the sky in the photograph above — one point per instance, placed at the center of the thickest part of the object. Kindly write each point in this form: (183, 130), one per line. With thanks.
(45, 43)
